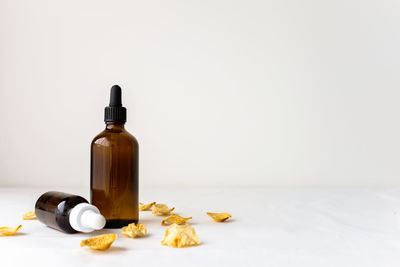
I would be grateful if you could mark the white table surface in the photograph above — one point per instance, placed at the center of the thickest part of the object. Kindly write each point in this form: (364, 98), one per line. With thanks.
(270, 227)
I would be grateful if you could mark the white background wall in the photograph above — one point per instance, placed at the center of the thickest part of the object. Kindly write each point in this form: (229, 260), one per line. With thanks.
(218, 92)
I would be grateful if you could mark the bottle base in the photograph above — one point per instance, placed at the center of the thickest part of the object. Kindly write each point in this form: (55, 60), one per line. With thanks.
(118, 223)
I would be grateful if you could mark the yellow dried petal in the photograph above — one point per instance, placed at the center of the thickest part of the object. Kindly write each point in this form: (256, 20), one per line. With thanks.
(143, 207)
(30, 215)
(175, 218)
(180, 236)
(161, 210)
(134, 230)
(9, 230)
(219, 217)
(100, 242)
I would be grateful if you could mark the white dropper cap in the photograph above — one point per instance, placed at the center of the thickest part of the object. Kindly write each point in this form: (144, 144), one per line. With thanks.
(86, 218)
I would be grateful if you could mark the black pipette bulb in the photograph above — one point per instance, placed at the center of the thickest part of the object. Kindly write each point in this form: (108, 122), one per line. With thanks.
(115, 96)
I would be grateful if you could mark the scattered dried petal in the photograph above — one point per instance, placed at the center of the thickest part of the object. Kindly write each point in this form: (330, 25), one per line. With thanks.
(219, 217)
(9, 230)
(30, 215)
(180, 236)
(161, 210)
(100, 242)
(134, 230)
(143, 207)
(175, 218)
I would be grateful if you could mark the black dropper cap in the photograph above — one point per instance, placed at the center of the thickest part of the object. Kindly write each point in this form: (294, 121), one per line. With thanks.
(115, 111)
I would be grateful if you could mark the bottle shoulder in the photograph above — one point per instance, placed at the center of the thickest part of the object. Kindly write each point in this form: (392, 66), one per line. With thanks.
(132, 138)
(106, 138)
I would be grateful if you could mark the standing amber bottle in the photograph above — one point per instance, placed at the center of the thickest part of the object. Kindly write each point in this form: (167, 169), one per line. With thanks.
(114, 167)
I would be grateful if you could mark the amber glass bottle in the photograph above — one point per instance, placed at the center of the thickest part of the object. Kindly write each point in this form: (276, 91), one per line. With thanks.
(114, 167)
(68, 213)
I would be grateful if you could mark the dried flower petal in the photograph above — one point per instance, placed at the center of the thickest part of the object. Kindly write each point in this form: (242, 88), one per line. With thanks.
(30, 215)
(134, 230)
(161, 210)
(9, 230)
(143, 207)
(180, 236)
(175, 218)
(219, 217)
(100, 242)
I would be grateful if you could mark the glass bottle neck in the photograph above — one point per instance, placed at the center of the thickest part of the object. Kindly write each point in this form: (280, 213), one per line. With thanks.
(115, 126)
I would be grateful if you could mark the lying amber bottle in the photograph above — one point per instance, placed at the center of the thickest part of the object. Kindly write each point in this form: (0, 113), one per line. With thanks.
(114, 167)
(68, 213)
